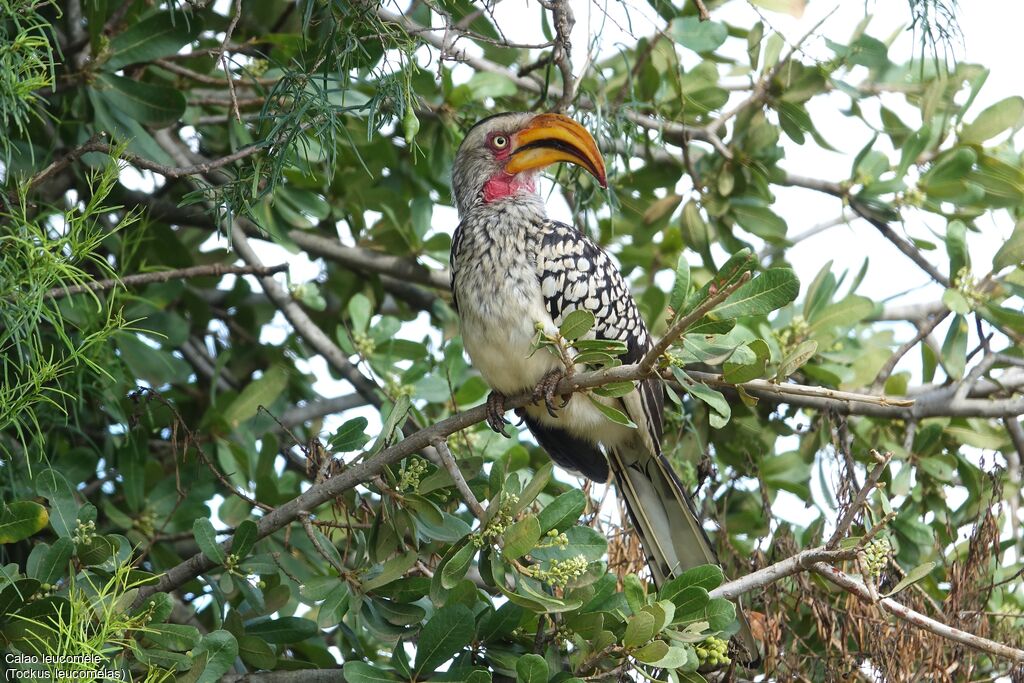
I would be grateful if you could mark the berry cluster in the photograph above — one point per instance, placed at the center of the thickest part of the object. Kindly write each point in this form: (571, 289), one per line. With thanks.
(713, 652)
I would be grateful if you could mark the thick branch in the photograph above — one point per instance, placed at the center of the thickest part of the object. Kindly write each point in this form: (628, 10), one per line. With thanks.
(801, 562)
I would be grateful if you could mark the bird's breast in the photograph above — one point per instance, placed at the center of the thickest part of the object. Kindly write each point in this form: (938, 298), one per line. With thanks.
(499, 307)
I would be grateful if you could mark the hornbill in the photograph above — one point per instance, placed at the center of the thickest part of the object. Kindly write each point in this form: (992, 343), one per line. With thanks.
(513, 268)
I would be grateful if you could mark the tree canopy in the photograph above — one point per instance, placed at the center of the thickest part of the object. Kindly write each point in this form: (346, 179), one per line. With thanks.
(239, 437)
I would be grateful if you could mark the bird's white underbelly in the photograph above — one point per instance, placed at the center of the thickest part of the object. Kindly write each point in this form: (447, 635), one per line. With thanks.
(499, 340)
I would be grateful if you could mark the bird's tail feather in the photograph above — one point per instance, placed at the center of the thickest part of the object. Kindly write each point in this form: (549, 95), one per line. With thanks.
(670, 530)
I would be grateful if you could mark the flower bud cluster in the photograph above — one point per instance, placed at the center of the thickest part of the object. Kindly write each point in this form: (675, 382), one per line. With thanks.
(365, 346)
(561, 572)
(876, 556)
(713, 652)
(501, 522)
(84, 533)
(410, 475)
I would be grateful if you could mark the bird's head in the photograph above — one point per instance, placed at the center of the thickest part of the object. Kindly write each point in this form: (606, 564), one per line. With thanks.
(501, 154)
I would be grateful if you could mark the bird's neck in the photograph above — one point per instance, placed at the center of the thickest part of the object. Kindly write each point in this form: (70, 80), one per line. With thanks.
(503, 186)
(506, 206)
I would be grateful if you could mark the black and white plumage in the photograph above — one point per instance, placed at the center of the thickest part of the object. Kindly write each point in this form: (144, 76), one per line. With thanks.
(512, 269)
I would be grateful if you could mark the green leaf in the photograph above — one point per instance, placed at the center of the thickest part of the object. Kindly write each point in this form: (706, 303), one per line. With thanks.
(576, 324)
(699, 36)
(21, 519)
(613, 414)
(55, 562)
(706, 576)
(537, 484)
(737, 373)
(158, 35)
(206, 539)
(332, 609)
(261, 392)
(563, 511)
(485, 84)
(361, 672)
(456, 567)
(150, 105)
(913, 576)
(219, 649)
(521, 537)
(796, 358)
(392, 569)
(720, 614)
(771, 290)
(350, 436)
(633, 588)
(720, 409)
(256, 652)
(360, 310)
(681, 288)
(640, 628)
(245, 536)
(954, 348)
(52, 486)
(450, 629)
(1012, 251)
(652, 652)
(284, 630)
(177, 637)
(531, 668)
(956, 247)
(1003, 115)
(760, 221)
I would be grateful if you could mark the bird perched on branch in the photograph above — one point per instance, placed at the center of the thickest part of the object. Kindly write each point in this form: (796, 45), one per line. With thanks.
(512, 269)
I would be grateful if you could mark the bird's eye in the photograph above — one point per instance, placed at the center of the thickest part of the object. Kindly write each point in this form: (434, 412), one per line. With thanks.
(499, 142)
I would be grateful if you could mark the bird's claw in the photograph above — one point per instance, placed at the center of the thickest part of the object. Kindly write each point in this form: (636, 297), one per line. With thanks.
(545, 391)
(496, 413)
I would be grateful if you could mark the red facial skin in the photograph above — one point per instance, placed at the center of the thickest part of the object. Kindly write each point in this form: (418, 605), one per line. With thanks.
(501, 184)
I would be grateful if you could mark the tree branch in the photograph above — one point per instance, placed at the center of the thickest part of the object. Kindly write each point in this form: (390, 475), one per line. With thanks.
(461, 486)
(851, 585)
(908, 249)
(209, 270)
(681, 325)
(801, 562)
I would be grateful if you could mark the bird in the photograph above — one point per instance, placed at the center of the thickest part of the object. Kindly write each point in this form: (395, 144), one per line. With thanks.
(515, 271)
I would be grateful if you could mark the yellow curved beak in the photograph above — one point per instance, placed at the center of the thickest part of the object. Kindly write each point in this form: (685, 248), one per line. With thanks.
(551, 138)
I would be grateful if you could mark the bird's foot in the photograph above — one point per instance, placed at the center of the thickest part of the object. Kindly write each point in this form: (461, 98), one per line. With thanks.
(496, 413)
(545, 391)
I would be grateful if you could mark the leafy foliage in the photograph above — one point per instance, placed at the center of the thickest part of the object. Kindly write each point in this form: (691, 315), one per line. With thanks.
(189, 492)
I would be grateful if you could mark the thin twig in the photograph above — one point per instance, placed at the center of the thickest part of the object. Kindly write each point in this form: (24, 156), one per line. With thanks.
(846, 521)
(922, 331)
(907, 248)
(702, 10)
(680, 326)
(460, 481)
(223, 56)
(208, 270)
